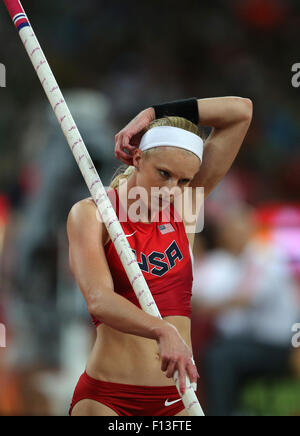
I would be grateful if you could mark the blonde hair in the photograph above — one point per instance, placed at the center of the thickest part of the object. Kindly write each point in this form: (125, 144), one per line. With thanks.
(124, 172)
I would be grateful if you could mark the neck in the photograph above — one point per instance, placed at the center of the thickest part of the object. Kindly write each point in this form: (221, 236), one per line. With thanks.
(127, 203)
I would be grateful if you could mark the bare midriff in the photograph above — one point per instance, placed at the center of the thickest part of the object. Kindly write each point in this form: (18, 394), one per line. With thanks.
(122, 358)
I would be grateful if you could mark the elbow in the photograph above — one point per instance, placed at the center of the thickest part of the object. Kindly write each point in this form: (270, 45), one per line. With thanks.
(99, 301)
(94, 309)
(246, 109)
(241, 109)
(94, 305)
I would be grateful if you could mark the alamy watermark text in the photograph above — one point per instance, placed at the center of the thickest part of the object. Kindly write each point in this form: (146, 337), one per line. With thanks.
(296, 76)
(2, 336)
(188, 205)
(296, 337)
(2, 76)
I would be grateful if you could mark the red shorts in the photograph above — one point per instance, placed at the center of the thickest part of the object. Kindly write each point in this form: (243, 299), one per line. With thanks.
(129, 400)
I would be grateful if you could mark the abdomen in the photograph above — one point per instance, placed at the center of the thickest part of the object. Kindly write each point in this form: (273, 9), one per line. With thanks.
(122, 358)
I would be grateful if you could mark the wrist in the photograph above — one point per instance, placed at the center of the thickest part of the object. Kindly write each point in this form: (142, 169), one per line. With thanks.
(187, 108)
(149, 113)
(163, 331)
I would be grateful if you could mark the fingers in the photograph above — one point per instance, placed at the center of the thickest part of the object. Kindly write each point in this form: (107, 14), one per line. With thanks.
(182, 376)
(124, 157)
(164, 363)
(184, 368)
(123, 150)
(192, 372)
(171, 368)
(189, 370)
(129, 137)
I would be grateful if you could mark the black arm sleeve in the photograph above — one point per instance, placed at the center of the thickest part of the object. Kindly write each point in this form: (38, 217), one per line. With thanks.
(187, 108)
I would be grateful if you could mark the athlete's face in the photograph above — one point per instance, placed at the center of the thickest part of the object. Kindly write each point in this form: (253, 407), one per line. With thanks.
(165, 168)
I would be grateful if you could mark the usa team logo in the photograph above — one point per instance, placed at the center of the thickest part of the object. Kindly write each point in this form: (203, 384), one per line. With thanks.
(157, 263)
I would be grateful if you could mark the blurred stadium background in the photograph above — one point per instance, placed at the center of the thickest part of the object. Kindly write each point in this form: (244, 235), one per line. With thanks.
(113, 59)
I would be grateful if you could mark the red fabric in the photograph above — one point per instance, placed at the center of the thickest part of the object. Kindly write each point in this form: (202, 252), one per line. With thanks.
(128, 400)
(170, 281)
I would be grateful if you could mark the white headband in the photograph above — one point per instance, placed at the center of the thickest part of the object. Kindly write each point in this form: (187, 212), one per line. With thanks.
(174, 137)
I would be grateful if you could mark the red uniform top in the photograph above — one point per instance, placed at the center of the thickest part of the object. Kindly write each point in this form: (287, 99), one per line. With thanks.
(163, 252)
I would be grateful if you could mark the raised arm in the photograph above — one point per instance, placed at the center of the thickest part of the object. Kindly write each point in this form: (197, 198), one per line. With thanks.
(90, 268)
(230, 118)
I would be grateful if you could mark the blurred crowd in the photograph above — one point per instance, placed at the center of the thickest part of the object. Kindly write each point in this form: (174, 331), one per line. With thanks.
(246, 298)
(111, 61)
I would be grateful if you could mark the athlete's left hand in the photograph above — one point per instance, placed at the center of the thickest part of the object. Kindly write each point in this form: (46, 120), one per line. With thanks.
(129, 138)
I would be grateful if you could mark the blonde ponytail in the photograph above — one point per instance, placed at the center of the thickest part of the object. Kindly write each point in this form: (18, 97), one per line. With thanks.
(123, 172)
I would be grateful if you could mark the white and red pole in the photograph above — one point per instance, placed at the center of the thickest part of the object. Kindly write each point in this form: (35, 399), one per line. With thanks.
(91, 178)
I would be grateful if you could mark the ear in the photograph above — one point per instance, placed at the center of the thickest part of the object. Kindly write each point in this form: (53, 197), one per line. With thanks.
(137, 157)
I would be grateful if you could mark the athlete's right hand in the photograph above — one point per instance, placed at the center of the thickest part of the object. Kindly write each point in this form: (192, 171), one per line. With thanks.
(129, 138)
(176, 355)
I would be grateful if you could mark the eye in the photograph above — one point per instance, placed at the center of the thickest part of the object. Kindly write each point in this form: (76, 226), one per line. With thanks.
(184, 181)
(164, 173)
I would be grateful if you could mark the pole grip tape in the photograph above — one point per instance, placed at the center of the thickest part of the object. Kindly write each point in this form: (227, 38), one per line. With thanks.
(17, 13)
(14, 7)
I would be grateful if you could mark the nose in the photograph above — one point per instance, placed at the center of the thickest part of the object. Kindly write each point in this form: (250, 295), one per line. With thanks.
(172, 183)
(172, 189)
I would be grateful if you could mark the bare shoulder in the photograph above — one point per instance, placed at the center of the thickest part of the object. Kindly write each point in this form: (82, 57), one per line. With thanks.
(84, 218)
(81, 212)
